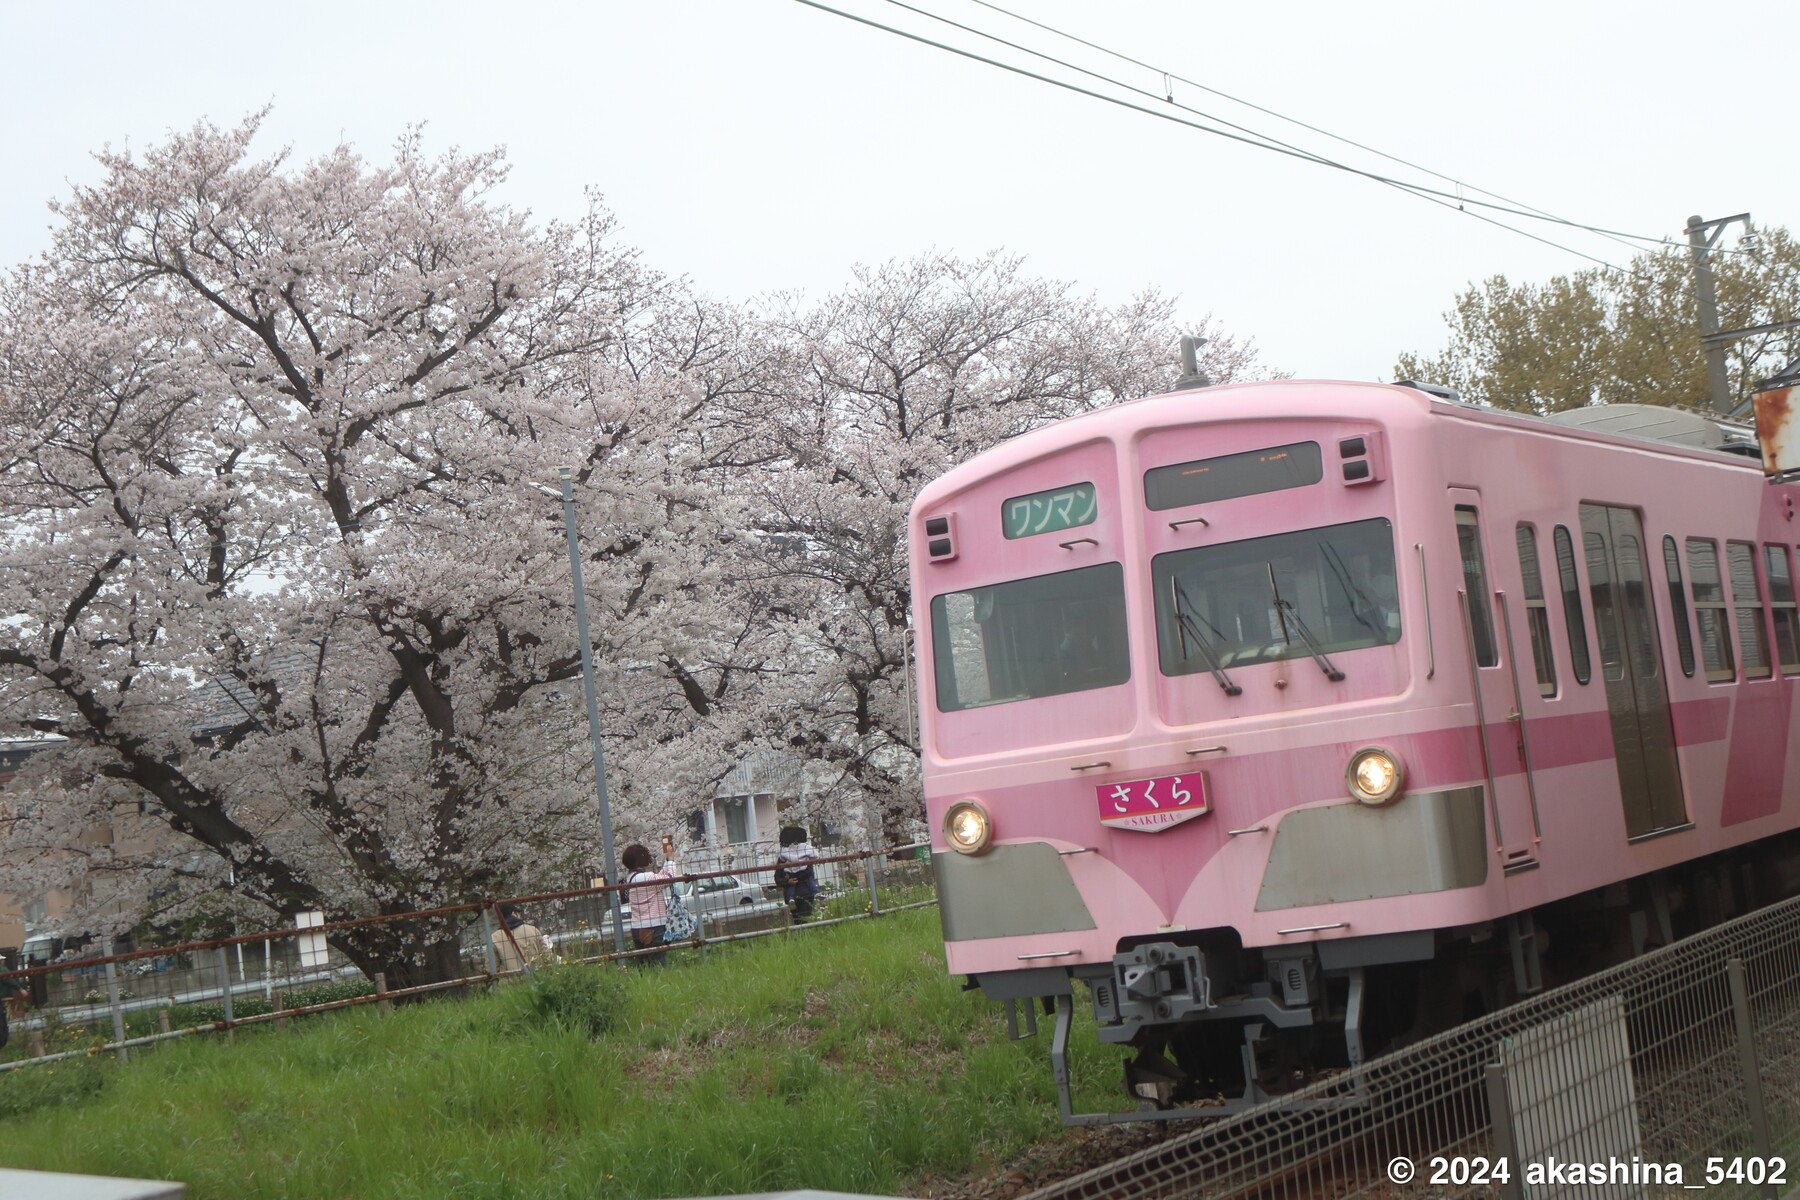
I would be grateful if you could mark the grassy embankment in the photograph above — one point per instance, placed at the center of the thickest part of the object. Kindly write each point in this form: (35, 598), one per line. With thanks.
(843, 1059)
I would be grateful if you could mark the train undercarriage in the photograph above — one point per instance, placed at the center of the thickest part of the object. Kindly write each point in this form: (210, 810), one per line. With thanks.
(1217, 1028)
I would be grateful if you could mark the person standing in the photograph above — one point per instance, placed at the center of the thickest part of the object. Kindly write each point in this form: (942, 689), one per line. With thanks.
(10, 991)
(649, 908)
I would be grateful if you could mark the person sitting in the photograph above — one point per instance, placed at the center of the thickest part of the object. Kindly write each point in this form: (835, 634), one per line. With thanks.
(794, 873)
(519, 944)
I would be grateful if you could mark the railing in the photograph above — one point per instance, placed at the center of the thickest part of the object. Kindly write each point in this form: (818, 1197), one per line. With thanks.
(147, 996)
(1677, 1069)
(753, 862)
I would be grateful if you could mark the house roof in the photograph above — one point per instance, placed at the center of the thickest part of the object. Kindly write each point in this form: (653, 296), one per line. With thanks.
(221, 704)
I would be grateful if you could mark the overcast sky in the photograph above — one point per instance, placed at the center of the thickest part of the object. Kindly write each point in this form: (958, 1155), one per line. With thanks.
(762, 145)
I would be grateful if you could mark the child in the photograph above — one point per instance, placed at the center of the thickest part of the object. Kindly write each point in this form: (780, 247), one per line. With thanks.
(795, 873)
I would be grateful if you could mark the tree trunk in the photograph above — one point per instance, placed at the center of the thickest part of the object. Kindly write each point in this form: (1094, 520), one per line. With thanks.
(409, 953)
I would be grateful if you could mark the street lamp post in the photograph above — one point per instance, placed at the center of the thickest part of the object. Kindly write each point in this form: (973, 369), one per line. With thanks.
(567, 477)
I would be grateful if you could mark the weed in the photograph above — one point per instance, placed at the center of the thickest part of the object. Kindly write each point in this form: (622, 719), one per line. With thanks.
(183, 1016)
(577, 998)
(69, 1081)
(326, 993)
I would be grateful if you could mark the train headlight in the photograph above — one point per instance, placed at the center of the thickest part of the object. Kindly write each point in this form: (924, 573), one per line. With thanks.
(967, 828)
(1374, 775)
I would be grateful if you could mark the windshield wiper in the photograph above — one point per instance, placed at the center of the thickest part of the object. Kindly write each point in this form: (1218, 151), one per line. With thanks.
(1185, 627)
(1285, 612)
(1364, 610)
(1280, 605)
(1312, 643)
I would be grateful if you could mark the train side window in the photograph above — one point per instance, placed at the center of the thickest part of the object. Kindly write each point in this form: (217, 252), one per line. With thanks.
(1481, 604)
(1571, 598)
(1678, 606)
(1781, 601)
(1746, 598)
(1537, 614)
(1709, 610)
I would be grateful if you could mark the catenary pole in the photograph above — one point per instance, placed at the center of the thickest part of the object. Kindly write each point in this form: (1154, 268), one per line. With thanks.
(1702, 236)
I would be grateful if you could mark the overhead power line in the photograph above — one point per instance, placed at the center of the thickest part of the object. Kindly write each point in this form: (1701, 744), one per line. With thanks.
(1457, 200)
(1615, 235)
(1252, 137)
(1513, 207)
(1257, 140)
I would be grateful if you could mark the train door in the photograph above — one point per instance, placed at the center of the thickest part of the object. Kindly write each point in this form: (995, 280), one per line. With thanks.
(1637, 699)
(1499, 711)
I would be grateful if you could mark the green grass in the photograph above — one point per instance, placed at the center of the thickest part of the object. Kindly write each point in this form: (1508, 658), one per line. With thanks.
(93, 1035)
(843, 1059)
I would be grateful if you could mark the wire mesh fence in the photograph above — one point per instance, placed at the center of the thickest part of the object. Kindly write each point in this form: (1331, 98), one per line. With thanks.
(99, 997)
(1677, 1070)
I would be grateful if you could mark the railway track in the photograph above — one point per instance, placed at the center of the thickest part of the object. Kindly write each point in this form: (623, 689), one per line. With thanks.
(1266, 1154)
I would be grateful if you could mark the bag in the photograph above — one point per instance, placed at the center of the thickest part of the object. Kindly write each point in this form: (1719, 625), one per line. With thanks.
(679, 924)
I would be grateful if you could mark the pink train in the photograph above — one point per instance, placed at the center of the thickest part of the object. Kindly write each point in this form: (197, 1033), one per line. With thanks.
(1297, 719)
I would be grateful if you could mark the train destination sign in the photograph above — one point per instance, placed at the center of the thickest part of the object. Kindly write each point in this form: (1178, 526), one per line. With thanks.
(1232, 476)
(1048, 512)
(1151, 805)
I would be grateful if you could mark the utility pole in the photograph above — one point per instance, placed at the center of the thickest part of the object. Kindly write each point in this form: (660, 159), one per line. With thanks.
(1703, 236)
(566, 476)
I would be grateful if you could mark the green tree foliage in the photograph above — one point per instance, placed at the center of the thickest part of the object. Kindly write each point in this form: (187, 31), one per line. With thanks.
(1610, 336)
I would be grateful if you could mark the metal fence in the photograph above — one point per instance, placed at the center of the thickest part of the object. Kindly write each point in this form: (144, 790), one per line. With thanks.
(102, 1000)
(753, 863)
(1675, 1070)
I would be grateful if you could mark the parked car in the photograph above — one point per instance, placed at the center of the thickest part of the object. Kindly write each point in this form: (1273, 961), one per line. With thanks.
(42, 949)
(722, 895)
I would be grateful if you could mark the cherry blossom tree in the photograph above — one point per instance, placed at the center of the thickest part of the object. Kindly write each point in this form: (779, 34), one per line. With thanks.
(915, 367)
(265, 436)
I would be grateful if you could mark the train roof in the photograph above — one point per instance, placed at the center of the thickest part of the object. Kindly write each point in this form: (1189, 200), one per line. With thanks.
(1660, 423)
(1679, 431)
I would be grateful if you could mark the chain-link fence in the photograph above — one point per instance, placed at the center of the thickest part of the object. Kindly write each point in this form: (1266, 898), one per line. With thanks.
(1677, 1070)
(94, 999)
(752, 863)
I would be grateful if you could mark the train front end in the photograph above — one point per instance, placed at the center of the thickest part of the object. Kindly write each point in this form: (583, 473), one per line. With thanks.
(1174, 752)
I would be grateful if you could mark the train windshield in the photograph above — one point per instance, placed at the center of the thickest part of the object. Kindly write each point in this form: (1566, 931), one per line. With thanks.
(1289, 595)
(1044, 636)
